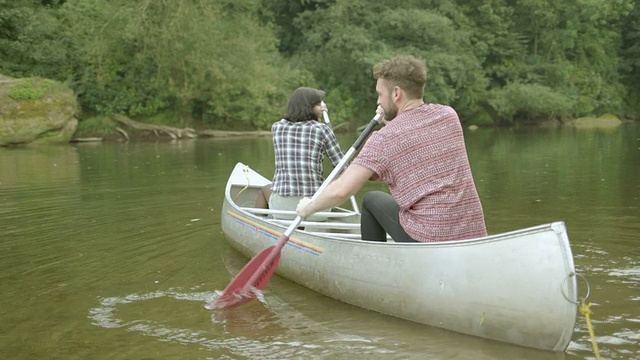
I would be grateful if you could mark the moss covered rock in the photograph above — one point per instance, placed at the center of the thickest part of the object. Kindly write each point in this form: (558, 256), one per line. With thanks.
(604, 121)
(36, 110)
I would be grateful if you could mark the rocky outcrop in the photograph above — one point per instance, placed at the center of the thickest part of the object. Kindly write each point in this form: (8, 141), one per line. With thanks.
(36, 110)
(604, 121)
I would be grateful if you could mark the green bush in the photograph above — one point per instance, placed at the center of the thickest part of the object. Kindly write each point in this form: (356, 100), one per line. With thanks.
(518, 102)
(95, 125)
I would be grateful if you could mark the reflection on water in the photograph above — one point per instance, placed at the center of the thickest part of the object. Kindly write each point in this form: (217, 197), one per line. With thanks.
(110, 251)
(280, 329)
(249, 330)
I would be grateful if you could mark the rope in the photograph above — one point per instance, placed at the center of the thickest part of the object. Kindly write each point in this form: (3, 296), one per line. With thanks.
(246, 172)
(585, 310)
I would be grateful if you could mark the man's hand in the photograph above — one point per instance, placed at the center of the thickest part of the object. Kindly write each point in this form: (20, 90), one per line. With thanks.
(380, 110)
(303, 207)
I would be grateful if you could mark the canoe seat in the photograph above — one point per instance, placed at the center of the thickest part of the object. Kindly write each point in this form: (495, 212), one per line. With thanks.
(327, 214)
(333, 221)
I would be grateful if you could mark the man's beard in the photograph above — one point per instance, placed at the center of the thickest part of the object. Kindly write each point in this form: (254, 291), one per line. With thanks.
(391, 112)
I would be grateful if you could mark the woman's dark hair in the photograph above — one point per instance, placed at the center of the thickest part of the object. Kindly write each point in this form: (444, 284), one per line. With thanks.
(301, 103)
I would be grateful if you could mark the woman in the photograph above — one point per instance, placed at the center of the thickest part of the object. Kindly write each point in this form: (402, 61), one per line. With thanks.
(300, 141)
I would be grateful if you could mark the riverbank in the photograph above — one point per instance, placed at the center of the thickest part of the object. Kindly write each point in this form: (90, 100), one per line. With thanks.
(214, 134)
(121, 128)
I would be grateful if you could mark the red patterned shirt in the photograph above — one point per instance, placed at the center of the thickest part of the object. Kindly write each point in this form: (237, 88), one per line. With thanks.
(421, 155)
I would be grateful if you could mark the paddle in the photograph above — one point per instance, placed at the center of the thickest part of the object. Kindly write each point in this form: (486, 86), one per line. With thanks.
(325, 115)
(258, 271)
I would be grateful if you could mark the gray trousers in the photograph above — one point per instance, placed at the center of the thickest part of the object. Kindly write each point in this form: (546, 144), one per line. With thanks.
(380, 216)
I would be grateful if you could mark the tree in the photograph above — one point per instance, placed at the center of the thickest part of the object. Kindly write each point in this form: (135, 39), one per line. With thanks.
(209, 60)
(30, 41)
(341, 40)
(571, 49)
(630, 60)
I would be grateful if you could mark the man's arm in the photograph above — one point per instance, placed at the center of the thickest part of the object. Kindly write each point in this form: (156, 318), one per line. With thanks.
(345, 186)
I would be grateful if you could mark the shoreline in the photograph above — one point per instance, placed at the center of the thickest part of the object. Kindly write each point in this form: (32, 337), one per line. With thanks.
(204, 134)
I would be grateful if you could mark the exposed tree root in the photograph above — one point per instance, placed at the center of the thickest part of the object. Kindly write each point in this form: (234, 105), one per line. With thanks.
(122, 132)
(175, 133)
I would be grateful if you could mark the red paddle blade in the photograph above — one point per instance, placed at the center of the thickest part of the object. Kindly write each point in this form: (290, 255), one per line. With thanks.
(266, 273)
(242, 288)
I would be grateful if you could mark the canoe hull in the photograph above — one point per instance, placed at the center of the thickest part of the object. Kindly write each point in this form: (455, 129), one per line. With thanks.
(517, 287)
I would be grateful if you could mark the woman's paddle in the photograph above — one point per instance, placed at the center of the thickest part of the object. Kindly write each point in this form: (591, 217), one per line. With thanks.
(258, 271)
(325, 115)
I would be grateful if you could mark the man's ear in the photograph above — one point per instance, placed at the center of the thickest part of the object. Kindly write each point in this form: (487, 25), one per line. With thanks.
(396, 93)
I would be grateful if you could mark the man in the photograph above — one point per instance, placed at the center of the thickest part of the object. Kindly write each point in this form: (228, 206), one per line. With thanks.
(421, 155)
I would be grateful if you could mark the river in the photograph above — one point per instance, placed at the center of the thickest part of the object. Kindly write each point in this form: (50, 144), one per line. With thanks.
(109, 251)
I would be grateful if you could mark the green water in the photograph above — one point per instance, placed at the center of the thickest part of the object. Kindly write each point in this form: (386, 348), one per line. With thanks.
(108, 251)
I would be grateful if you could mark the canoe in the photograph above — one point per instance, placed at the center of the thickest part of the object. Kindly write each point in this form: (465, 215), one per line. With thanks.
(517, 287)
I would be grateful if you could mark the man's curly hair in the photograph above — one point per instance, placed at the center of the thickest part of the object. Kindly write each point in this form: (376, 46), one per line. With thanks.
(406, 71)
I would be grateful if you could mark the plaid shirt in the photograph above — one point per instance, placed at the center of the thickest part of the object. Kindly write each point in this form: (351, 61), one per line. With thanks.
(299, 151)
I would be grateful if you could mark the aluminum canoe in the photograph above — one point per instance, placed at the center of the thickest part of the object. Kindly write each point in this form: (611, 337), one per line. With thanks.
(517, 287)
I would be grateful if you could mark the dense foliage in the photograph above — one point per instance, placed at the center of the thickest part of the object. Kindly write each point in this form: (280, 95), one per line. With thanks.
(233, 63)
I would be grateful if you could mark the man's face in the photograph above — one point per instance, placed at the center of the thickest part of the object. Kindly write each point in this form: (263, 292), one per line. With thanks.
(385, 99)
